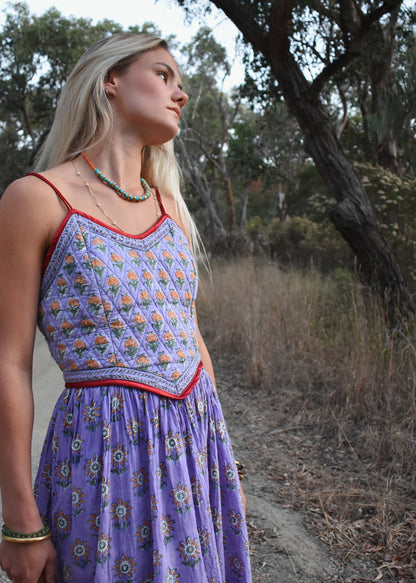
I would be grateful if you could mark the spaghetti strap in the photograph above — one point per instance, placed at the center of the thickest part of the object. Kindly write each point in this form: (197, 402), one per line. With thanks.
(159, 200)
(58, 192)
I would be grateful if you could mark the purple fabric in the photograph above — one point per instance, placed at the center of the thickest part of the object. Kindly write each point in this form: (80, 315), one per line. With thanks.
(137, 487)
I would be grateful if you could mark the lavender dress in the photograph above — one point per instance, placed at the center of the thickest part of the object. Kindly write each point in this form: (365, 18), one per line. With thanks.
(137, 478)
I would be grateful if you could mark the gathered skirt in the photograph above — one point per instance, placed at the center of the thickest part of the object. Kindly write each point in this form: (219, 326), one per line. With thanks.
(139, 488)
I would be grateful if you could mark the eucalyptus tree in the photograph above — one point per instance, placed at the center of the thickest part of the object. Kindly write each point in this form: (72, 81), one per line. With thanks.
(282, 35)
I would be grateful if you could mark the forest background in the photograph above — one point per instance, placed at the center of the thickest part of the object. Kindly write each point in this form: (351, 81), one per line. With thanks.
(298, 298)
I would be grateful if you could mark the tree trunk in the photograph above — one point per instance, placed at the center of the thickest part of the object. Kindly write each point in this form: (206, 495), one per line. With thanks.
(353, 215)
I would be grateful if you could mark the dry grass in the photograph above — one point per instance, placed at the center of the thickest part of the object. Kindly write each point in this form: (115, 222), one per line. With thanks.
(321, 346)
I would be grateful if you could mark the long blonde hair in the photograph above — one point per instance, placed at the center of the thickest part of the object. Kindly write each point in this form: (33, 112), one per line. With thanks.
(84, 117)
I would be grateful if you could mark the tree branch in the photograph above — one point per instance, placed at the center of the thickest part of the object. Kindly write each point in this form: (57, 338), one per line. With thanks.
(355, 47)
(251, 31)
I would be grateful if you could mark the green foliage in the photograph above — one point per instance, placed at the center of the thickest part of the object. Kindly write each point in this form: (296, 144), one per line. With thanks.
(394, 202)
(37, 54)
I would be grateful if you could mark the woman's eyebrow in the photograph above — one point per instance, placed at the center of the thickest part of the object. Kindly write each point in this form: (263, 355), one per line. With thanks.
(171, 73)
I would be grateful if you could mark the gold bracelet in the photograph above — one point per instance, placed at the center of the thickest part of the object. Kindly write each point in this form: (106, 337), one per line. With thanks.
(12, 539)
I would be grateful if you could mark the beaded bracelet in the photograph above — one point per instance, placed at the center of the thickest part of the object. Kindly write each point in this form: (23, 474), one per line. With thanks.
(18, 537)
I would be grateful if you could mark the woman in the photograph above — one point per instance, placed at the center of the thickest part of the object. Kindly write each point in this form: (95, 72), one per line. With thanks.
(136, 479)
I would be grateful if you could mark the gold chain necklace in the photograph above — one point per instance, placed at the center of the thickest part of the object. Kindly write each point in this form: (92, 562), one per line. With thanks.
(100, 206)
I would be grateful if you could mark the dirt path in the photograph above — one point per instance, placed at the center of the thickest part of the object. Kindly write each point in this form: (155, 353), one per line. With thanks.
(283, 550)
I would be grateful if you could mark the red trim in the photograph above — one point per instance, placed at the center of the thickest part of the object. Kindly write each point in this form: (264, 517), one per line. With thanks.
(57, 191)
(134, 385)
(61, 227)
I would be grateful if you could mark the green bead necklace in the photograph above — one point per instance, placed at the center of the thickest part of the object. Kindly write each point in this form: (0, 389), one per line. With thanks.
(120, 191)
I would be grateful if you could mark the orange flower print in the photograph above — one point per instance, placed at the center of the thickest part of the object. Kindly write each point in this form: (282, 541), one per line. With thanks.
(117, 260)
(98, 266)
(173, 446)
(61, 350)
(144, 535)
(230, 475)
(63, 524)
(164, 360)
(160, 298)
(173, 318)
(124, 567)
(132, 279)
(172, 576)
(92, 414)
(157, 320)
(151, 259)
(166, 526)
(217, 520)
(130, 346)
(73, 306)
(134, 429)
(94, 523)
(175, 375)
(117, 406)
(95, 304)
(67, 328)
(63, 473)
(174, 296)
(180, 278)
(181, 497)
(103, 548)
(237, 565)
(169, 339)
(77, 500)
(236, 521)
(143, 362)
(117, 327)
(80, 347)
(99, 244)
(161, 474)
(126, 303)
(184, 259)
(62, 285)
(108, 308)
(184, 337)
(80, 283)
(91, 363)
(76, 449)
(118, 459)
(181, 356)
(167, 257)
(190, 552)
(113, 285)
(148, 278)
(73, 365)
(79, 241)
(101, 343)
(87, 326)
(163, 277)
(106, 435)
(112, 360)
(152, 341)
(93, 469)
(192, 277)
(87, 263)
(69, 263)
(134, 256)
(169, 240)
(139, 322)
(140, 482)
(145, 298)
(55, 308)
(187, 298)
(80, 553)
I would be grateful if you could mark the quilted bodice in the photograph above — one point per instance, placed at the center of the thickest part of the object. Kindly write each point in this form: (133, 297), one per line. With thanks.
(114, 306)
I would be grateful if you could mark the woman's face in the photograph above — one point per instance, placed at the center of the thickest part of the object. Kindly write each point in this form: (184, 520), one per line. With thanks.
(147, 98)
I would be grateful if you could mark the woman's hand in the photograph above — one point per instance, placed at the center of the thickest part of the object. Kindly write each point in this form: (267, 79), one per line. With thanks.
(24, 562)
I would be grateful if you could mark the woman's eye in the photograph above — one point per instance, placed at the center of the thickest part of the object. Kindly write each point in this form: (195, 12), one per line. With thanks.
(164, 75)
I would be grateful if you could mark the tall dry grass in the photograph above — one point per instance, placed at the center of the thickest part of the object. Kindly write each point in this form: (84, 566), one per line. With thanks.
(322, 345)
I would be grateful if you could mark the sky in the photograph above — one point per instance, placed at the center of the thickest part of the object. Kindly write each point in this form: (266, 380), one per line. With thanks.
(166, 14)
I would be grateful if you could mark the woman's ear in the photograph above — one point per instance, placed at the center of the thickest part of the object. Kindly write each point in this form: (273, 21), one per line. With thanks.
(110, 83)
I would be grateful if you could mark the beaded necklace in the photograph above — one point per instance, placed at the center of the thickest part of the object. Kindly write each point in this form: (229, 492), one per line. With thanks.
(120, 191)
(100, 206)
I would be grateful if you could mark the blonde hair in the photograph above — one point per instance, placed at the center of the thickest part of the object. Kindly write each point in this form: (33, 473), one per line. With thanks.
(84, 117)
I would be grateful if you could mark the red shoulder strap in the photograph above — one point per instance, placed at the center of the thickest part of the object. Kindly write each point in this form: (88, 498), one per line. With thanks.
(58, 192)
(159, 200)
